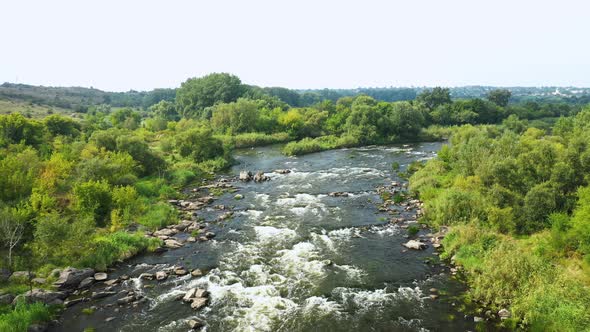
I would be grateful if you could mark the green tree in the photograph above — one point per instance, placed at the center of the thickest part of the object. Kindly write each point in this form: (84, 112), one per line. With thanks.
(435, 97)
(195, 94)
(500, 97)
(93, 199)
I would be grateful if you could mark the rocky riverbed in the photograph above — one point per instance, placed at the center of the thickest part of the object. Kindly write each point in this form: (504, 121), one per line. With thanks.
(328, 241)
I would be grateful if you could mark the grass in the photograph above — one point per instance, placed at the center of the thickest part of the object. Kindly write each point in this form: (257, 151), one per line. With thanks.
(504, 272)
(113, 247)
(30, 110)
(323, 143)
(23, 315)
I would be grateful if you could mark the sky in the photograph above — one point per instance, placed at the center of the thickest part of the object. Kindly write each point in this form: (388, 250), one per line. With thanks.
(140, 45)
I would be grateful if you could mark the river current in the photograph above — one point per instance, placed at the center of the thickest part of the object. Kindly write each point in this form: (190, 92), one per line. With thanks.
(294, 258)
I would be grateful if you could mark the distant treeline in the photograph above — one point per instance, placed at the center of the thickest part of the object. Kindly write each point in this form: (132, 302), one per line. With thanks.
(79, 99)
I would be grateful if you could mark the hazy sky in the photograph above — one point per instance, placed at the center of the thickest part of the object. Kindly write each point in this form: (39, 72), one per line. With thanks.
(121, 45)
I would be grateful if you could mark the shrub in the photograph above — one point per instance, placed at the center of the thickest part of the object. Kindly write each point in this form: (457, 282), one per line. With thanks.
(23, 315)
(157, 216)
(112, 247)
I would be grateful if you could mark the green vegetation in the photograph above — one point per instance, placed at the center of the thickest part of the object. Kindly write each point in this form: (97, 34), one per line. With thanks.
(80, 190)
(518, 203)
(23, 315)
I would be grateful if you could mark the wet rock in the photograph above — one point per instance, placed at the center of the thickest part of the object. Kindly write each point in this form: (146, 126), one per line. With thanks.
(338, 194)
(165, 232)
(201, 293)
(73, 302)
(416, 245)
(124, 277)
(203, 238)
(110, 319)
(100, 276)
(71, 277)
(146, 276)
(245, 176)
(238, 196)
(161, 275)
(126, 300)
(206, 199)
(209, 235)
(195, 324)
(196, 273)
(100, 295)
(260, 177)
(188, 296)
(199, 303)
(183, 225)
(282, 171)
(191, 239)
(433, 296)
(433, 290)
(87, 282)
(225, 216)
(504, 314)
(111, 282)
(180, 272)
(172, 244)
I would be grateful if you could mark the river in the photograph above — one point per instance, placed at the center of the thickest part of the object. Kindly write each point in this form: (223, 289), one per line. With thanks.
(294, 258)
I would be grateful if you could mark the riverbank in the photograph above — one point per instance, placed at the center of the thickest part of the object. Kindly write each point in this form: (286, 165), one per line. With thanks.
(515, 226)
(301, 251)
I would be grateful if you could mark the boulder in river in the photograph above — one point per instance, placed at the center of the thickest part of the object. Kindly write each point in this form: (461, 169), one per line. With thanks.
(282, 171)
(196, 273)
(199, 303)
(165, 232)
(338, 194)
(245, 176)
(161, 275)
(71, 277)
(87, 282)
(195, 324)
(172, 244)
(180, 272)
(238, 197)
(260, 177)
(416, 245)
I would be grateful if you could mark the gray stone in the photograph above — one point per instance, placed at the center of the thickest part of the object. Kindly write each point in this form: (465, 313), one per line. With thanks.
(416, 245)
(41, 295)
(172, 244)
(71, 277)
(100, 276)
(86, 283)
(196, 273)
(199, 303)
(161, 275)
(195, 324)
(100, 295)
(245, 176)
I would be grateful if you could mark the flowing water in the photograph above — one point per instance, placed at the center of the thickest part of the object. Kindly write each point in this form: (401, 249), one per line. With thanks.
(295, 259)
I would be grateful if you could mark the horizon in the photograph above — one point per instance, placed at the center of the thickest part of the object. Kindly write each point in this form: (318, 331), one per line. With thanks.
(142, 45)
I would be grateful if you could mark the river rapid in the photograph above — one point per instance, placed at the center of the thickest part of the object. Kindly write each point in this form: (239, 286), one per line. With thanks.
(293, 258)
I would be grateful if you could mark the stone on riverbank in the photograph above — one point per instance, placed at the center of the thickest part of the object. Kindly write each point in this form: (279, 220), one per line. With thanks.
(416, 245)
(71, 277)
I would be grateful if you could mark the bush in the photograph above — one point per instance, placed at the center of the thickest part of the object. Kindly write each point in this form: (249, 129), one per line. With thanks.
(110, 248)
(158, 216)
(23, 315)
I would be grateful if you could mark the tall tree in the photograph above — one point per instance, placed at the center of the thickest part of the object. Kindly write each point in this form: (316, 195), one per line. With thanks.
(500, 97)
(195, 94)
